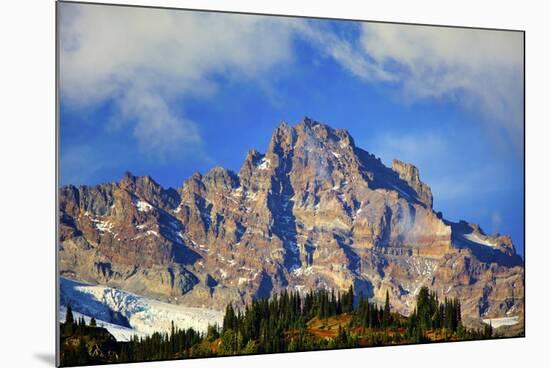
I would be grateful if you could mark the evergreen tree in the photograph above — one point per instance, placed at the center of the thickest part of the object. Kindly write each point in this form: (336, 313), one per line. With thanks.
(490, 332)
(82, 353)
(212, 333)
(229, 319)
(69, 318)
(386, 315)
(284, 323)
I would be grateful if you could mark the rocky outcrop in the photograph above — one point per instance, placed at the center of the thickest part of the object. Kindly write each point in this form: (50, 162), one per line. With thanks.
(409, 173)
(313, 211)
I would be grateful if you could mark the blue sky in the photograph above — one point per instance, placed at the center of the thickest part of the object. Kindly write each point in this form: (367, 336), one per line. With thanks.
(168, 93)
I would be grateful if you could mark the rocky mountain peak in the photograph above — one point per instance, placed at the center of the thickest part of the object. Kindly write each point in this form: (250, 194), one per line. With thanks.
(144, 187)
(324, 133)
(253, 158)
(410, 174)
(194, 184)
(221, 179)
(131, 182)
(282, 140)
(310, 132)
(250, 165)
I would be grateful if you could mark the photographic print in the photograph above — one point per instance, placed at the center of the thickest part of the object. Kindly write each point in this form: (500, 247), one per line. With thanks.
(235, 184)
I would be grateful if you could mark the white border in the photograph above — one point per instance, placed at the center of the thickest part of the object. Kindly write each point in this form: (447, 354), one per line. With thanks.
(28, 185)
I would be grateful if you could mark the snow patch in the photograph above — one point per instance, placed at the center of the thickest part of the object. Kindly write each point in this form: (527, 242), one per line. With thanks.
(143, 206)
(504, 321)
(251, 196)
(264, 164)
(303, 271)
(103, 226)
(476, 239)
(180, 235)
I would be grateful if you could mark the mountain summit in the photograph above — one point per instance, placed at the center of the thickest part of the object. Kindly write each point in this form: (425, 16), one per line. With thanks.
(314, 211)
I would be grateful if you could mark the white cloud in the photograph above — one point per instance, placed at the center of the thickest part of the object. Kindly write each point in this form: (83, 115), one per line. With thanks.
(479, 69)
(345, 52)
(147, 60)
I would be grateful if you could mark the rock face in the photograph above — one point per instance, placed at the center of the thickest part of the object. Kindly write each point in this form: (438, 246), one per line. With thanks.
(409, 173)
(313, 211)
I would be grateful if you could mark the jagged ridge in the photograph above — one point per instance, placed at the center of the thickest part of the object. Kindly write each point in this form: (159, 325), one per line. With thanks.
(313, 211)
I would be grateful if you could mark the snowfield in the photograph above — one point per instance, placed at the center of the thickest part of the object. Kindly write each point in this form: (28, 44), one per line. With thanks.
(123, 312)
(120, 333)
(504, 321)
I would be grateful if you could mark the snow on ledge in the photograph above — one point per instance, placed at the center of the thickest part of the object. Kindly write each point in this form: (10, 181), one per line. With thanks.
(504, 321)
(476, 239)
(264, 164)
(143, 206)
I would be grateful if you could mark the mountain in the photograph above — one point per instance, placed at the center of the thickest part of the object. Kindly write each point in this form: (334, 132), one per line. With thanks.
(314, 211)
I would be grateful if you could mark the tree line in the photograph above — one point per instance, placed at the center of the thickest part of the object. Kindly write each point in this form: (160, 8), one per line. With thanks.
(283, 323)
(279, 324)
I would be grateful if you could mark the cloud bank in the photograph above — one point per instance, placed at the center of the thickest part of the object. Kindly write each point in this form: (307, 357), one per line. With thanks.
(480, 70)
(148, 61)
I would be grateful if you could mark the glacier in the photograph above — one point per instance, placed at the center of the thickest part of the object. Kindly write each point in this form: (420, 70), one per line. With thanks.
(124, 313)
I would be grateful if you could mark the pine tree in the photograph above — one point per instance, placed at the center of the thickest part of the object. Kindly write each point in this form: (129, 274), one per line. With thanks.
(69, 318)
(229, 318)
(488, 333)
(212, 333)
(82, 353)
(386, 315)
(93, 322)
